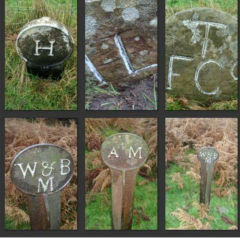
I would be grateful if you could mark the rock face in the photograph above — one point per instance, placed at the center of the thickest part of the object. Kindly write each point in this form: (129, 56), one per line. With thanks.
(124, 151)
(41, 169)
(44, 44)
(201, 55)
(121, 40)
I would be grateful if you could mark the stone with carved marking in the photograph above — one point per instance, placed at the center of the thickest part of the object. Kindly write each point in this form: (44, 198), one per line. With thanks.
(121, 40)
(41, 168)
(201, 55)
(45, 44)
(124, 151)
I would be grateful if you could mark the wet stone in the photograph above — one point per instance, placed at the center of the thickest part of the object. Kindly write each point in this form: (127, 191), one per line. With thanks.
(124, 151)
(41, 168)
(44, 44)
(201, 55)
(117, 33)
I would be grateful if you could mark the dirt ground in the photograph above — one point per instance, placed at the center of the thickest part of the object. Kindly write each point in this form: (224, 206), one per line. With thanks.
(131, 98)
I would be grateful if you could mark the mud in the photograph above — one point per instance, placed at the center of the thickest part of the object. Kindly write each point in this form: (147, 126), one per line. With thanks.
(132, 98)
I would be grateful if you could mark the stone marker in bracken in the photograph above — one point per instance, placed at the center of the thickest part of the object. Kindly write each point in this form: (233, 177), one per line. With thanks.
(45, 45)
(201, 55)
(207, 156)
(41, 171)
(124, 154)
(121, 40)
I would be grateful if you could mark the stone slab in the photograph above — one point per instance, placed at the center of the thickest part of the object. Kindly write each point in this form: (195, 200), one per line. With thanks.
(41, 168)
(201, 55)
(121, 40)
(124, 151)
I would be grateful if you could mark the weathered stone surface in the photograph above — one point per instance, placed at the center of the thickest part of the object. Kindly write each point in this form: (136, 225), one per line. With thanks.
(44, 44)
(121, 40)
(201, 55)
(41, 168)
(124, 151)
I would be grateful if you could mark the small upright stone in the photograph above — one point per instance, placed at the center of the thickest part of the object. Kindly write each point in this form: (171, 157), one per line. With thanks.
(201, 55)
(45, 45)
(41, 168)
(124, 151)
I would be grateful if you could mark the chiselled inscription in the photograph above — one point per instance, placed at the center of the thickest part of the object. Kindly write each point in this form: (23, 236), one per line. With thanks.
(48, 48)
(41, 169)
(208, 155)
(124, 151)
(193, 26)
(201, 54)
(44, 42)
(125, 59)
(120, 41)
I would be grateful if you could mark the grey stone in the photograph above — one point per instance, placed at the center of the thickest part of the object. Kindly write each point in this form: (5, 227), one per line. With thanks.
(44, 44)
(117, 33)
(124, 151)
(201, 55)
(41, 168)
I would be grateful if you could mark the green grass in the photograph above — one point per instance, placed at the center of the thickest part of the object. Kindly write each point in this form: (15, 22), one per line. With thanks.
(175, 103)
(27, 92)
(184, 198)
(10, 225)
(229, 6)
(98, 211)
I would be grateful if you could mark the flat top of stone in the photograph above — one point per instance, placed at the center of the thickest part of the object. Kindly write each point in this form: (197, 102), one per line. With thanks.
(41, 168)
(208, 155)
(124, 151)
(44, 42)
(45, 21)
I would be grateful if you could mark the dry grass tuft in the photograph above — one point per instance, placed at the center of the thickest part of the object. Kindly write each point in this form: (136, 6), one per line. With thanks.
(188, 222)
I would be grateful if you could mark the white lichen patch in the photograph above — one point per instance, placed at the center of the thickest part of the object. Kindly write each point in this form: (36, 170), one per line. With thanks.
(107, 61)
(143, 52)
(104, 46)
(108, 5)
(90, 26)
(137, 38)
(153, 22)
(130, 14)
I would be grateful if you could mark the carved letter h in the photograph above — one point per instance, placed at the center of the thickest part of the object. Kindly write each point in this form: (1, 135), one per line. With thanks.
(44, 48)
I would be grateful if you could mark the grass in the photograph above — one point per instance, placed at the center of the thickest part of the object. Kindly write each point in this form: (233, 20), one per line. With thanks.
(98, 211)
(94, 89)
(185, 197)
(229, 6)
(10, 225)
(175, 103)
(27, 92)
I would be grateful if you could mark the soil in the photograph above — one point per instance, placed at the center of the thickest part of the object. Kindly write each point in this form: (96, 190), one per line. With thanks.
(131, 98)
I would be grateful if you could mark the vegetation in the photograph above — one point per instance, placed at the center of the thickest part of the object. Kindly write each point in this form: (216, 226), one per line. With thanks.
(24, 91)
(144, 213)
